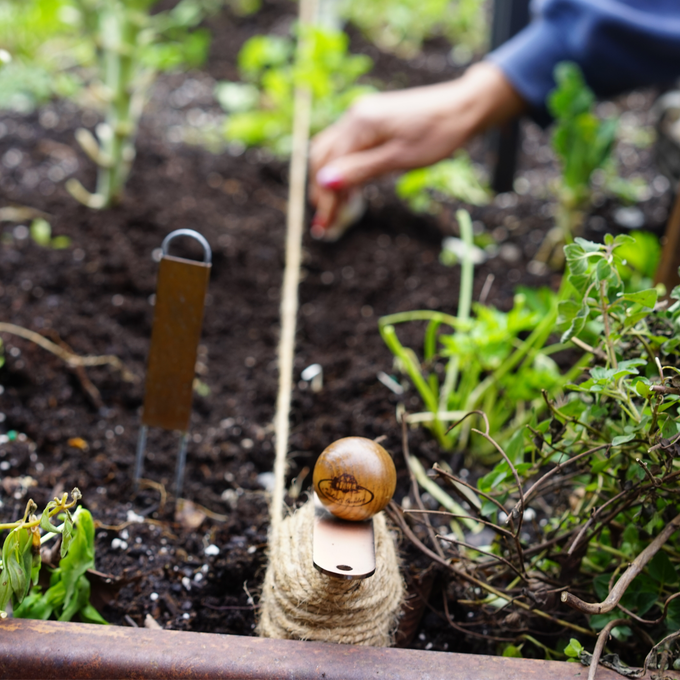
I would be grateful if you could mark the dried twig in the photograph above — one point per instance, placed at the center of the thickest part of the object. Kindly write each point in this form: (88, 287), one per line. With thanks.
(638, 564)
(455, 541)
(414, 485)
(602, 639)
(88, 386)
(595, 515)
(653, 650)
(558, 468)
(495, 527)
(395, 513)
(71, 359)
(587, 348)
(466, 631)
(458, 480)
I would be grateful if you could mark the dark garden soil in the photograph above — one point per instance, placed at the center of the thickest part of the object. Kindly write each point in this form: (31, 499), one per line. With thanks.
(96, 297)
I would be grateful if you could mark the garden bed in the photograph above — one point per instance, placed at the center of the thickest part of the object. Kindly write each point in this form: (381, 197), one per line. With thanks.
(96, 296)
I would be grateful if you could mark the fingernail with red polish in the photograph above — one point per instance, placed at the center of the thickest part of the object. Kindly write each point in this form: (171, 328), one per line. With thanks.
(330, 178)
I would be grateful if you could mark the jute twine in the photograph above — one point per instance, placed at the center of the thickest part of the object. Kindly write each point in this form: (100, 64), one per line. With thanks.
(299, 602)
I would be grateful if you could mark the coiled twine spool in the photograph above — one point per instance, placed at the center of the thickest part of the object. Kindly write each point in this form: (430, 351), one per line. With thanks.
(298, 602)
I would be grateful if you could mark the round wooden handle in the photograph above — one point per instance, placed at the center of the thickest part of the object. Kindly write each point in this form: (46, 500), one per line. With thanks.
(355, 478)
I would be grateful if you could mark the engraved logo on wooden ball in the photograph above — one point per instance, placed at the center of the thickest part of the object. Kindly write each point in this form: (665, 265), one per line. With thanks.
(345, 490)
(355, 478)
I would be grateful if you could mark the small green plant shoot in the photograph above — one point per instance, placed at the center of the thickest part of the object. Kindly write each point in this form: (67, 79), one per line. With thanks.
(69, 590)
(261, 108)
(583, 143)
(425, 189)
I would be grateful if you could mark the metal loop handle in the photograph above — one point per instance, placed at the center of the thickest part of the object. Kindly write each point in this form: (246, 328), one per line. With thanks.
(207, 252)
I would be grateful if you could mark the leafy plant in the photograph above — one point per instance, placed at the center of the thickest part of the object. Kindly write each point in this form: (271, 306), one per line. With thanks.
(494, 361)
(41, 46)
(600, 472)
(261, 108)
(402, 27)
(425, 189)
(69, 590)
(582, 142)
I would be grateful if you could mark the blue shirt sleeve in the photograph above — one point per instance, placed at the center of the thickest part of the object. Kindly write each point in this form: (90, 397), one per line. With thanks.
(619, 45)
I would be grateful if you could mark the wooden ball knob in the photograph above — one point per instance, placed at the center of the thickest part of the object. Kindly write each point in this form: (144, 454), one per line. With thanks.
(355, 478)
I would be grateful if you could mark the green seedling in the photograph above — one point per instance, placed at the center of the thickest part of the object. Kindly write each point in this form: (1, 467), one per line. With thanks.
(583, 143)
(41, 233)
(261, 107)
(132, 46)
(402, 27)
(426, 189)
(69, 589)
(492, 361)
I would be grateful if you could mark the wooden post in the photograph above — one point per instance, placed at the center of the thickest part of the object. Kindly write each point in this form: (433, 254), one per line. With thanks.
(667, 273)
(509, 18)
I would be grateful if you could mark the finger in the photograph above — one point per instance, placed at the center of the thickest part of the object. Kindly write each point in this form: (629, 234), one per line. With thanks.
(348, 135)
(327, 208)
(356, 168)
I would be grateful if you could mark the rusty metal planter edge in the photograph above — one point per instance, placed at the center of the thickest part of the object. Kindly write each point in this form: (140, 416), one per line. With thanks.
(74, 651)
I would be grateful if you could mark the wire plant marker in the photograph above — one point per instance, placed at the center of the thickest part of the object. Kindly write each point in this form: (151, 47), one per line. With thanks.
(178, 318)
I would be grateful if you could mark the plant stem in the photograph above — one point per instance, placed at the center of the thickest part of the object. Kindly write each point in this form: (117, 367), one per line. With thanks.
(611, 352)
(467, 267)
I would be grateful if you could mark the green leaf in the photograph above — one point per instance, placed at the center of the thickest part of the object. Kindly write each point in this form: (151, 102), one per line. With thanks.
(515, 447)
(588, 246)
(641, 594)
(488, 509)
(13, 550)
(675, 293)
(80, 556)
(67, 533)
(88, 614)
(34, 606)
(673, 616)
(622, 439)
(45, 523)
(513, 651)
(646, 298)
(574, 648)
(661, 569)
(237, 97)
(41, 232)
(5, 589)
(601, 586)
(603, 271)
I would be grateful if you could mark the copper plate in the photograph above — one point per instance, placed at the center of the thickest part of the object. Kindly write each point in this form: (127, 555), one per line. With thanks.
(342, 549)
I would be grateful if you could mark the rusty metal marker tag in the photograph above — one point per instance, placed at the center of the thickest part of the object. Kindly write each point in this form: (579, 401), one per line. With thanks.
(178, 318)
(341, 548)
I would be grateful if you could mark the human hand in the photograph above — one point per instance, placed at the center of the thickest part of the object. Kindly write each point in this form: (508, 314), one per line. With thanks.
(402, 130)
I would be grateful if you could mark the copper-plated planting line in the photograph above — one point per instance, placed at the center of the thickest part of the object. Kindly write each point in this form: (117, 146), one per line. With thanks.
(77, 651)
